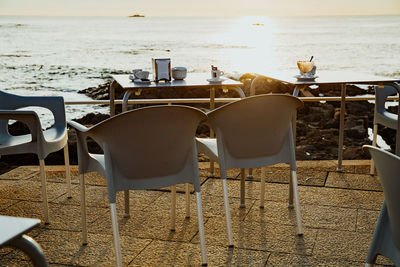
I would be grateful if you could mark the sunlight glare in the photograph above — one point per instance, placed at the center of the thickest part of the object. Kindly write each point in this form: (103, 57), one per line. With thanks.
(253, 40)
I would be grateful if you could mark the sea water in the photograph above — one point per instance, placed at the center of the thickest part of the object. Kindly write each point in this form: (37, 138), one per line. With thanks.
(62, 55)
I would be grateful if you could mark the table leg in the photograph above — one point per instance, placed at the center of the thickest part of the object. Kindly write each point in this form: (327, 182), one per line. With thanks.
(31, 248)
(239, 91)
(125, 100)
(212, 106)
(341, 128)
(398, 122)
(112, 97)
(296, 91)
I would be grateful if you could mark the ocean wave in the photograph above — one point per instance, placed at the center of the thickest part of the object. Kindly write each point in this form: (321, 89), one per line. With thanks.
(143, 50)
(14, 55)
(13, 25)
(224, 46)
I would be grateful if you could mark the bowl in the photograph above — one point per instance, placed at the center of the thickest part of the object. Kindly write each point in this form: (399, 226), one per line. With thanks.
(143, 75)
(179, 73)
(305, 66)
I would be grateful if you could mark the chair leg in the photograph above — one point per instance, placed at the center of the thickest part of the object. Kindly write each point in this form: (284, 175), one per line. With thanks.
(187, 193)
(372, 170)
(296, 197)
(173, 207)
(83, 208)
(67, 171)
(201, 229)
(250, 175)
(44, 191)
(291, 191)
(262, 185)
(117, 245)
(126, 200)
(242, 188)
(227, 210)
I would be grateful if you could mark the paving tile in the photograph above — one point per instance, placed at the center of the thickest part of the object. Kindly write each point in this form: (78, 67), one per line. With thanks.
(18, 260)
(345, 245)
(307, 194)
(160, 253)
(363, 169)
(5, 203)
(305, 175)
(98, 196)
(211, 206)
(282, 259)
(62, 217)
(100, 250)
(260, 236)
(214, 187)
(22, 172)
(341, 197)
(30, 190)
(366, 220)
(56, 176)
(149, 224)
(313, 216)
(353, 181)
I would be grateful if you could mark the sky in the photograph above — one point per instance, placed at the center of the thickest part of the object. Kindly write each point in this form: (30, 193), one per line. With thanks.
(199, 8)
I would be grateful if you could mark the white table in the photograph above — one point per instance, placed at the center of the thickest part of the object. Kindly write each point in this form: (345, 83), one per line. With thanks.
(331, 78)
(193, 80)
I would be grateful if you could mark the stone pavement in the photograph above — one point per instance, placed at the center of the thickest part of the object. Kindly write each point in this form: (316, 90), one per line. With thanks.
(339, 212)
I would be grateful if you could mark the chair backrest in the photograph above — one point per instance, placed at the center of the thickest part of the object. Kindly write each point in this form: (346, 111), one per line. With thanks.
(54, 103)
(253, 128)
(388, 169)
(148, 143)
(381, 94)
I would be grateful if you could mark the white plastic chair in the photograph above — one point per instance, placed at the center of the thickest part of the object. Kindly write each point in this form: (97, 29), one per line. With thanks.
(146, 148)
(381, 115)
(386, 238)
(40, 142)
(251, 133)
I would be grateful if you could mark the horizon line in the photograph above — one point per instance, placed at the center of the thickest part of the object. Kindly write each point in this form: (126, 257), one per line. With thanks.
(187, 16)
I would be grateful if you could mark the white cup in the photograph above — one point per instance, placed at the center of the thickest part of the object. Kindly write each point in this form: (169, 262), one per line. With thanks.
(216, 74)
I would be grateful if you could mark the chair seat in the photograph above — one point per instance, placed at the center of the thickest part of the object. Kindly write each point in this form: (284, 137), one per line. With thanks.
(208, 146)
(16, 144)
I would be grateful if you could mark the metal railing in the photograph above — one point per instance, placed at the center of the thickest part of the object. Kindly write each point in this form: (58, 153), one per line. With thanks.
(217, 100)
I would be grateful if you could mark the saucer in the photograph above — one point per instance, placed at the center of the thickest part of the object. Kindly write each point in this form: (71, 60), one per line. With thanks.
(214, 80)
(140, 81)
(300, 77)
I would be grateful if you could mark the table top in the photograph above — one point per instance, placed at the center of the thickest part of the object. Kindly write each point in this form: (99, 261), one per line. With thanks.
(332, 77)
(192, 80)
(11, 227)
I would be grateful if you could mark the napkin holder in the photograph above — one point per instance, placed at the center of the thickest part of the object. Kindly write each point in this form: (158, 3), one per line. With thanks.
(162, 69)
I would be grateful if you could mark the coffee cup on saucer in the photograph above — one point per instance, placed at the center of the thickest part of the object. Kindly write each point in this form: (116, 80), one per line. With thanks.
(216, 74)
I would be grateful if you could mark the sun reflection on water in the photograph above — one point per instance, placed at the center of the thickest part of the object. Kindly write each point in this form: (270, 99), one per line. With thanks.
(250, 45)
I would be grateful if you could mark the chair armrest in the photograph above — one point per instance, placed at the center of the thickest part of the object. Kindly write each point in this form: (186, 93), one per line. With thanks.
(82, 133)
(28, 117)
(78, 127)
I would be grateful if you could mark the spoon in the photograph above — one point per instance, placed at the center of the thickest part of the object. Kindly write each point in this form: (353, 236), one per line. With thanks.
(311, 58)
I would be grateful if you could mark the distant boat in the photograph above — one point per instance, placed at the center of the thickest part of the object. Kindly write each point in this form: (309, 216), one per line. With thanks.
(136, 16)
